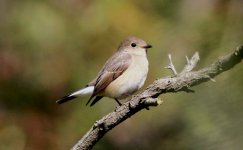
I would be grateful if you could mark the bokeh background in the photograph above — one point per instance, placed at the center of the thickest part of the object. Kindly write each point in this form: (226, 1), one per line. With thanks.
(49, 48)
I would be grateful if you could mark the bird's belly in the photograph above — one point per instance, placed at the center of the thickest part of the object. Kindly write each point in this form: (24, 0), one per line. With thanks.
(130, 81)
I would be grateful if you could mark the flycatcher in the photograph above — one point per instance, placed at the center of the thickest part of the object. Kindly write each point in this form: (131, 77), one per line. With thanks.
(122, 75)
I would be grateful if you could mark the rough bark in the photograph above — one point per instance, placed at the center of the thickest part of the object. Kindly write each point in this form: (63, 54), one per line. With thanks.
(176, 83)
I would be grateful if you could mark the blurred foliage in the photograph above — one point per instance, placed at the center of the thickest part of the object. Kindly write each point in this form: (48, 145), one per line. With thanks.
(50, 48)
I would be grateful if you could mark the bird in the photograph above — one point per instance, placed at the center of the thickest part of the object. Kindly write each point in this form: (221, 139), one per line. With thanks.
(121, 76)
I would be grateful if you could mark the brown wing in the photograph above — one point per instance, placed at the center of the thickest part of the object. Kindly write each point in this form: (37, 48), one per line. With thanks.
(112, 69)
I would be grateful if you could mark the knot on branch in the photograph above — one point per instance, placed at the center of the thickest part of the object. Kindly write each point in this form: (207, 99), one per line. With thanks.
(239, 51)
(99, 124)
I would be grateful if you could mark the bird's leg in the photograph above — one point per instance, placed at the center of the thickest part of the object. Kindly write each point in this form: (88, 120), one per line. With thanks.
(118, 102)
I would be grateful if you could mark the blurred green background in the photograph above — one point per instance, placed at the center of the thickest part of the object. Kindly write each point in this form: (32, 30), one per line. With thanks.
(49, 48)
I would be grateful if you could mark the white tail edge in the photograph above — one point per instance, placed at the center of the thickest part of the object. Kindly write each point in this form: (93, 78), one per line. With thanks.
(83, 92)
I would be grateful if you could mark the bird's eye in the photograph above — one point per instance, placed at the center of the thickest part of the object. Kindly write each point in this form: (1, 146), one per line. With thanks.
(133, 44)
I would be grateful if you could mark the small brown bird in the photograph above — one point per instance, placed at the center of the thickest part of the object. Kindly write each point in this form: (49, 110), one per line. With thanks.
(123, 73)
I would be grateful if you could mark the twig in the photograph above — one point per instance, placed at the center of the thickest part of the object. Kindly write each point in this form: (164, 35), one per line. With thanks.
(148, 97)
(191, 64)
(171, 66)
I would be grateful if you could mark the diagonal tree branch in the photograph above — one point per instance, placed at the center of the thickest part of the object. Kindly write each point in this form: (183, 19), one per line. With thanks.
(180, 82)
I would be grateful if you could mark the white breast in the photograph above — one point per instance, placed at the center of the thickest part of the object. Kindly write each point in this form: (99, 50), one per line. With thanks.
(131, 80)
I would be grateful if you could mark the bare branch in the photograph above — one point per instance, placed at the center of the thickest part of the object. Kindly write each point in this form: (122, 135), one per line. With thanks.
(171, 66)
(181, 82)
(191, 64)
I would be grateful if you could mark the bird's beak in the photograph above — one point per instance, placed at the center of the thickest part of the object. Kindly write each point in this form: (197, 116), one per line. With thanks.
(147, 46)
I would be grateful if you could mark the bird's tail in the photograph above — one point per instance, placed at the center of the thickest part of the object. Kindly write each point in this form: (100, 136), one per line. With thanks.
(82, 92)
(65, 99)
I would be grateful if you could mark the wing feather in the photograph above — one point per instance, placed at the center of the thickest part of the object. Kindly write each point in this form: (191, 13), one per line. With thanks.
(112, 69)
